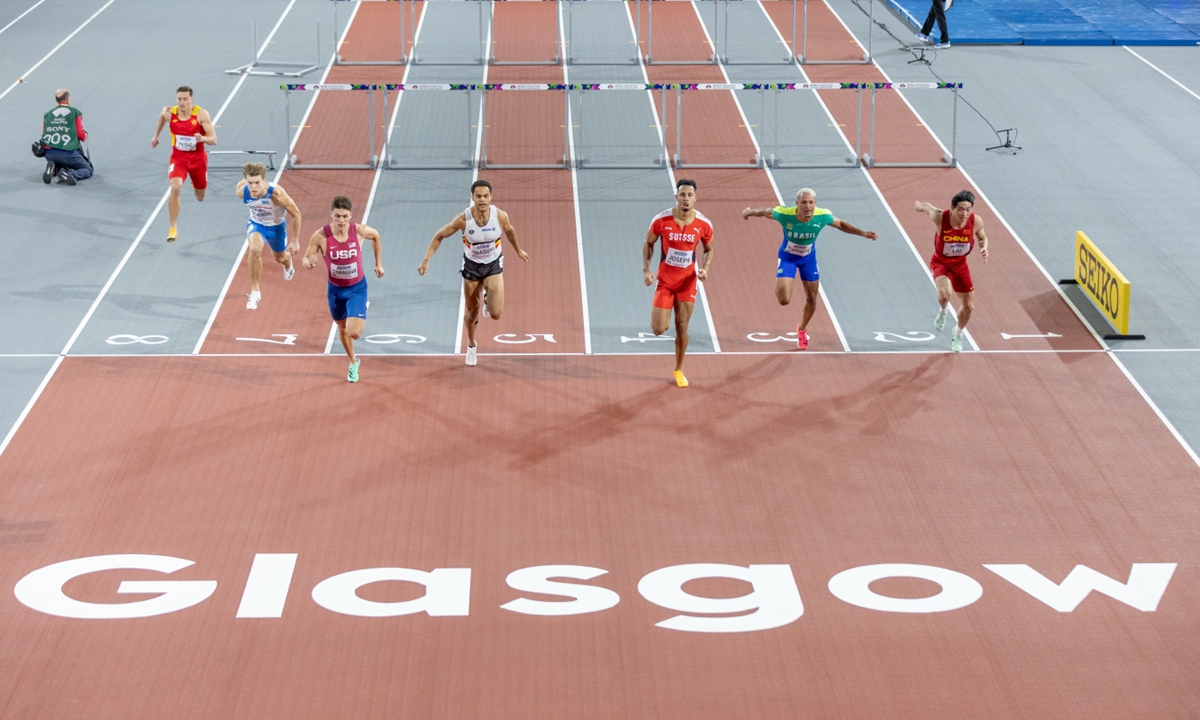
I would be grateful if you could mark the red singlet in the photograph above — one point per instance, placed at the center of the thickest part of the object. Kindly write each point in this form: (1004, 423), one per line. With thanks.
(188, 156)
(950, 249)
(677, 265)
(344, 257)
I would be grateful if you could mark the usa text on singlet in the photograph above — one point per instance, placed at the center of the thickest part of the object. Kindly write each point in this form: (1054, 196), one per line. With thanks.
(344, 257)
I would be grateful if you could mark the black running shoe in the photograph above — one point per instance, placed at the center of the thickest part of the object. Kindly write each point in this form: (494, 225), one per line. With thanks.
(65, 176)
(48, 173)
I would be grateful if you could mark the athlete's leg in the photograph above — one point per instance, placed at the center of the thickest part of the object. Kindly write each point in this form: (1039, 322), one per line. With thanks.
(944, 290)
(173, 200)
(783, 289)
(683, 314)
(347, 340)
(660, 320)
(471, 292)
(964, 311)
(494, 285)
(254, 259)
(200, 193)
(812, 291)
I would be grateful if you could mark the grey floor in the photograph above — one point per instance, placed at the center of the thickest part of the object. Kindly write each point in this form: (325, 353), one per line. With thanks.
(1109, 147)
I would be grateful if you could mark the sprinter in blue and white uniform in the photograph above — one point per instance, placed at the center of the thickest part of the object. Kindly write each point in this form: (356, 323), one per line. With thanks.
(268, 203)
(482, 226)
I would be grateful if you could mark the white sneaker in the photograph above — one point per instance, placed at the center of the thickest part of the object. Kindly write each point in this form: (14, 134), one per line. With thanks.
(290, 271)
(486, 314)
(471, 356)
(922, 37)
(252, 303)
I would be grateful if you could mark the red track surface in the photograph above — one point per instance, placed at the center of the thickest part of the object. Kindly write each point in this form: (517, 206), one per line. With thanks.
(570, 461)
(336, 132)
(741, 292)
(542, 296)
(1012, 295)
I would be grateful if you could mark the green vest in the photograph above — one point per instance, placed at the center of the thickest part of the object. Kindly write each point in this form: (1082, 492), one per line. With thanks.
(58, 128)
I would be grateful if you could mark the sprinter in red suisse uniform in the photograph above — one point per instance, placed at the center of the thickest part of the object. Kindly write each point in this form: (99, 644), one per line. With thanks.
(191, 129)
(958, 229)
(683, 232)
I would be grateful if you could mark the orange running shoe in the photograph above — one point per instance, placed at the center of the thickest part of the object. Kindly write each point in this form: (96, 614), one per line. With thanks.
(801, 338)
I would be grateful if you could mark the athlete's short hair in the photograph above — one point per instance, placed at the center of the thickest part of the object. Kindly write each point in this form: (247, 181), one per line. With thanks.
(806, 191)
(685, 181)
(253, 169)
(963, 196)
(341, 202)
(63, 97)
(479, 184)
(184, 88)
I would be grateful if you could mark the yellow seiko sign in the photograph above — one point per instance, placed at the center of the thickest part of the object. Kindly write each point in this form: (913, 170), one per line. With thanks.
(1101, 280)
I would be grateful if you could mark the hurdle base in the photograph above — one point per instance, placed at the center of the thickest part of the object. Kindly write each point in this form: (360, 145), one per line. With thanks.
(1114, 336)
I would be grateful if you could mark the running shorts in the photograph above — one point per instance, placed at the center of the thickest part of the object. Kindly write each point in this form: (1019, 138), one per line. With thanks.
(273, 235)
(475, 272)
(958, 272)
(192, 164)
(348, 301)
(667, 294)
(790, 264)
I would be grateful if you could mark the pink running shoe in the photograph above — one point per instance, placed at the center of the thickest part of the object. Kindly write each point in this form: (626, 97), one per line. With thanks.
(801, 338)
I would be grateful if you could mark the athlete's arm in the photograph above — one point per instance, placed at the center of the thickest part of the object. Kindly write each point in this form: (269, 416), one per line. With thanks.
(370, 233)
(458, 224)
(647, 254)
(981, 238)
(210, 133)
(238, 192)
(510, 232)
(162, 120)
(758, 212)
(934, 214)
(316, 248)
(702, 273)
(850, 229)
(285, 201)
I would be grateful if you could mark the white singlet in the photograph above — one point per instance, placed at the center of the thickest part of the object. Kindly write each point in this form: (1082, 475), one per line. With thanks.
(482, 244)
(262, 210)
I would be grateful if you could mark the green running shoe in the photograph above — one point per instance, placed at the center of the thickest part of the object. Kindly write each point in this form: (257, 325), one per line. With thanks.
(352, 375)
(956, 343)
(939, 322)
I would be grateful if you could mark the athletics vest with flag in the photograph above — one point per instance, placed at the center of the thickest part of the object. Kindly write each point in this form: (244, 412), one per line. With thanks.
(59, 128)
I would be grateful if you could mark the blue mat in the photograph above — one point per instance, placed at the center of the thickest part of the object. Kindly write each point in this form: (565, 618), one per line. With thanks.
(1064, 22)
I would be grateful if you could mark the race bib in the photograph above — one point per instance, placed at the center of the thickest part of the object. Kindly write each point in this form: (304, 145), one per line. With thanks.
(679, 258)
(800, 250)
(482, 251)
(185, 142)
(343, 272)
(950, 249)
(262, 215)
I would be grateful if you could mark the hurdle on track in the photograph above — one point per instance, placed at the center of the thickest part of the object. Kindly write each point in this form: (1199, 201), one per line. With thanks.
(789, 59)
(803, 58)
(558, 43)
(288, 69)
(269, 153)
(634, 57)
(763, 159)
(292, 161)
(406, 32)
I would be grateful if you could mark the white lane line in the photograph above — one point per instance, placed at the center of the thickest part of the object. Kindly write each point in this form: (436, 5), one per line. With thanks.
(28, 72)
(112, 278)
(1053, 283)
(882, 200)
(712, 328)
(771, 175)
(1160, 71)
(587, 322)
(796, 353)
(14, 22)
(462, 299)
(212, 317)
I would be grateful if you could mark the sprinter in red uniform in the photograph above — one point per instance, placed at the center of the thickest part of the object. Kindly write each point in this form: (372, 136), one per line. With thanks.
(683, 231)
(191, 129)
(958, 230)
(340, 242)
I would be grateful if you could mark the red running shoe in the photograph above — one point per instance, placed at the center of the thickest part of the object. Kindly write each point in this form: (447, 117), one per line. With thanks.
(801, 338)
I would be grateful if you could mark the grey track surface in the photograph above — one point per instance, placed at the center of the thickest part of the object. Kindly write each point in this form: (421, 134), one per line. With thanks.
(164, 289)
(871, 287)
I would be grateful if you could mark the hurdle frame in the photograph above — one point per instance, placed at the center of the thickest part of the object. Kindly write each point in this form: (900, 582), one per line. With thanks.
(558, 43)
(269, 153)
(677, 158)
(581, 162)
(484, 52)
(291, 161)
(299, 69)
(773, 160)
(791, 58)
(407, 35)
(637, 50)
(483, 163)
(950, 159)
(802, 57)
(471, 160)
(713, 59)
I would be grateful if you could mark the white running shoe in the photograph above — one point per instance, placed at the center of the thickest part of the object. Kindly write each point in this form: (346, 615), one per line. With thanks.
(290, 271)
(252, 303)
(939, 321)
(471, 356)
(486, 314)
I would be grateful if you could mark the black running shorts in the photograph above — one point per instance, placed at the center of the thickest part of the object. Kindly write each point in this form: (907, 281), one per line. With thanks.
(475, 272)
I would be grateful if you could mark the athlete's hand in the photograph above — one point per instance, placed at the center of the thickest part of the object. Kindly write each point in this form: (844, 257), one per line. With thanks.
(378, 271)
(154, 141)
(648, 277)
(746, 213)
(294, 247)
(308, 262)
(871, 235)
(702, 273)
(983, 253)
(917, 206)
(523, 255)
(424, 266)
